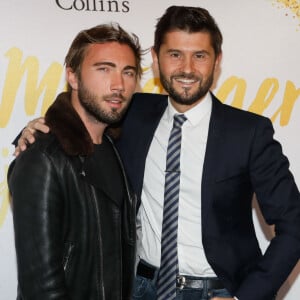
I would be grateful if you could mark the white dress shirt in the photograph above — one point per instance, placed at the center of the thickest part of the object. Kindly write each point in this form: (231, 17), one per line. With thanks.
(192, 260)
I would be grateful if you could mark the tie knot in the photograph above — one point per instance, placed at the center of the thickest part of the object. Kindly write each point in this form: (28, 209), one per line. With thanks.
(179, 119)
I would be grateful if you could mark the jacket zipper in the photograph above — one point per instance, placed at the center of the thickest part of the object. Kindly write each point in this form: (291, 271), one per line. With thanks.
(67, 257)
(100, 272)
(129, 196)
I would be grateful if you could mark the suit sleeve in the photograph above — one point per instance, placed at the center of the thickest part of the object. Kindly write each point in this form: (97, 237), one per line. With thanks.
(279, 200)
(37, 214)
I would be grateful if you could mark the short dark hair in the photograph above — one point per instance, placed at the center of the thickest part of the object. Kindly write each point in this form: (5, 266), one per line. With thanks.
(101, 34)
(191, 20)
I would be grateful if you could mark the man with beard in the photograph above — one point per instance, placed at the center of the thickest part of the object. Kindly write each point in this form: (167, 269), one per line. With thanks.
(74, 215)
(226, 156)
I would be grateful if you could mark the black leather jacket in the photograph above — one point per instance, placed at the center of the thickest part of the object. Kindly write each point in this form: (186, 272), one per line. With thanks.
(57, 218)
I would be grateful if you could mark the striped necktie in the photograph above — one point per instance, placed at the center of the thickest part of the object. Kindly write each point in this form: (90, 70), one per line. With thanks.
(166, 285)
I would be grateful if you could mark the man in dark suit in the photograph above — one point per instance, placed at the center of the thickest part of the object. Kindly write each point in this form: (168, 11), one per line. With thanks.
(227, 157)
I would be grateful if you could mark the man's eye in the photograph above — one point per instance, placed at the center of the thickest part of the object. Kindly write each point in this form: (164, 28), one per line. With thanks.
(130, 73)
(175, 54)
(103, 69)
(201, 56)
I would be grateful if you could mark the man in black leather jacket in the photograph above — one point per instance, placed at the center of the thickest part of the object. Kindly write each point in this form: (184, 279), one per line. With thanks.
(74, 215)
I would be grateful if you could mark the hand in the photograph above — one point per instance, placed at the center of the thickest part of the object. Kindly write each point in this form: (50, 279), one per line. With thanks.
(27, 136)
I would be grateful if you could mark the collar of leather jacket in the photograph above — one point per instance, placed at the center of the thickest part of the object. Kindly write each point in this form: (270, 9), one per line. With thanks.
(66, 125)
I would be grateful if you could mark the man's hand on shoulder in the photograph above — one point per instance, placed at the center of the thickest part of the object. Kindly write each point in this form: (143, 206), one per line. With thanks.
(27, 136)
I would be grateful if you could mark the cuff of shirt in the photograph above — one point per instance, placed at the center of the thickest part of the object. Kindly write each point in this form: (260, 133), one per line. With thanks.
(236, 298)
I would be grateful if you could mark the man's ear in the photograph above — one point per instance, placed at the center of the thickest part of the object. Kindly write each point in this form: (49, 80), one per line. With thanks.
(71, 78)
(155, 64)
(218, 61)
(217, 70)
(154, 57)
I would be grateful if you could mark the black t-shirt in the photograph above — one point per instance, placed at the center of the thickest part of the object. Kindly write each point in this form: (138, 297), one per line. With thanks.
(103, 170)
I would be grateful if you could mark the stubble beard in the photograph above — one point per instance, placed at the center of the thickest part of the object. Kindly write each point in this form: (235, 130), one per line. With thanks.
(89, 102)
(186, 98)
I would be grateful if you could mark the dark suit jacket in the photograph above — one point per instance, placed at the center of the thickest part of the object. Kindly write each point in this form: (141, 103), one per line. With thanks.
(241, 159)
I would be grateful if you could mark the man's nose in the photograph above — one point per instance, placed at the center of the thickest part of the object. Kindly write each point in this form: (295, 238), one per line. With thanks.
(117, 82)
(188, 65)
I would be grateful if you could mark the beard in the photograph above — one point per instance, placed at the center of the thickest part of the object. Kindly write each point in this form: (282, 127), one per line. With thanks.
(90, 102)
(186, 98)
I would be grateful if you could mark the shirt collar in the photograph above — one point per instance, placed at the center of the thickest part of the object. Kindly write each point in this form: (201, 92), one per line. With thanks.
(195, 114)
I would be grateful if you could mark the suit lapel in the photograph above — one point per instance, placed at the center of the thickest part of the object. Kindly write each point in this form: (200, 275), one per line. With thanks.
(213, 156)
(144, 116)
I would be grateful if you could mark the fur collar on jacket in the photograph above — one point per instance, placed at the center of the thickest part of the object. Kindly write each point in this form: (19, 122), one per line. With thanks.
(66, 125)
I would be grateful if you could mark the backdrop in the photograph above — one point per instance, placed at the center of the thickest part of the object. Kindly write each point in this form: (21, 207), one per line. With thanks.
(260, 72)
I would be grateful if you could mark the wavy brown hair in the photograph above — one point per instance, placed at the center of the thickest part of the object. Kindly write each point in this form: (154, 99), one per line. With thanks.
(101, 34)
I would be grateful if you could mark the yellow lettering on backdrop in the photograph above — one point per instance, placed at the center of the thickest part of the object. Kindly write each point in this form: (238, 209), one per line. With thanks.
(291, 94)
(14, 76)
(228, 86)
(153, 85)
(264, 96)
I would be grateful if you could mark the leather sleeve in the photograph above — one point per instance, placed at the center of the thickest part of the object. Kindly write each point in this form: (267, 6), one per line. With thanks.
(279, 201)
(37, 205)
